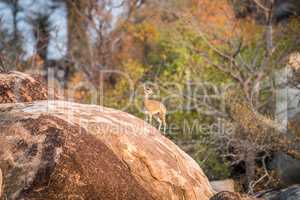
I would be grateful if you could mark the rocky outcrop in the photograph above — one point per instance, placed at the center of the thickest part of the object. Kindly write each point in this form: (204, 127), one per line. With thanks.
(60, 150)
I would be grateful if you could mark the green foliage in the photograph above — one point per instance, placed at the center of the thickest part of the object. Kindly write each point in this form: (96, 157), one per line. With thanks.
(170, 57)
(121, 95)
(213, 166)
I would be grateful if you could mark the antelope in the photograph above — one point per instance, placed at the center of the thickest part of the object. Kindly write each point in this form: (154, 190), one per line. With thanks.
(154, 109)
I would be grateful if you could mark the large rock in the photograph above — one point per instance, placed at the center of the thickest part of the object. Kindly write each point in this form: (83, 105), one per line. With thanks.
(61, 150)
(287, 168)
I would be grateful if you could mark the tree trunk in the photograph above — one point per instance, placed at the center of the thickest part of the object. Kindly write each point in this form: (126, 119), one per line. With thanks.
(269, 38)
(250, 165)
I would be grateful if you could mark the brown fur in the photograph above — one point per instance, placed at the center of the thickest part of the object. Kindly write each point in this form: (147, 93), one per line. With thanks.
(155, 108)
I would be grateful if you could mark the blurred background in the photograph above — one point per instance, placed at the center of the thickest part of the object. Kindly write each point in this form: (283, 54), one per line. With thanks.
(227, 71)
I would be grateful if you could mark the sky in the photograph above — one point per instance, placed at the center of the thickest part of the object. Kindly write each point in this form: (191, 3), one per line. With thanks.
(116, 11)
(57, 22)
(6, 17)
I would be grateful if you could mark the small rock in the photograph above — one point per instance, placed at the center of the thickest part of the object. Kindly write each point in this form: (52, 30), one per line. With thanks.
(223, 185)
(225, 195)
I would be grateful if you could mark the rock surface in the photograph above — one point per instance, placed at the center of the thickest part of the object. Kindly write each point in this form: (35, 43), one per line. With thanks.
(290, 193)
(225, 195)
(223, 185)
(287, 168)
(20, 87)
(61, 150)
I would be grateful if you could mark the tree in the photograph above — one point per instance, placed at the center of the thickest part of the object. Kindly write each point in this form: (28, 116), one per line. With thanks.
(251, 65)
